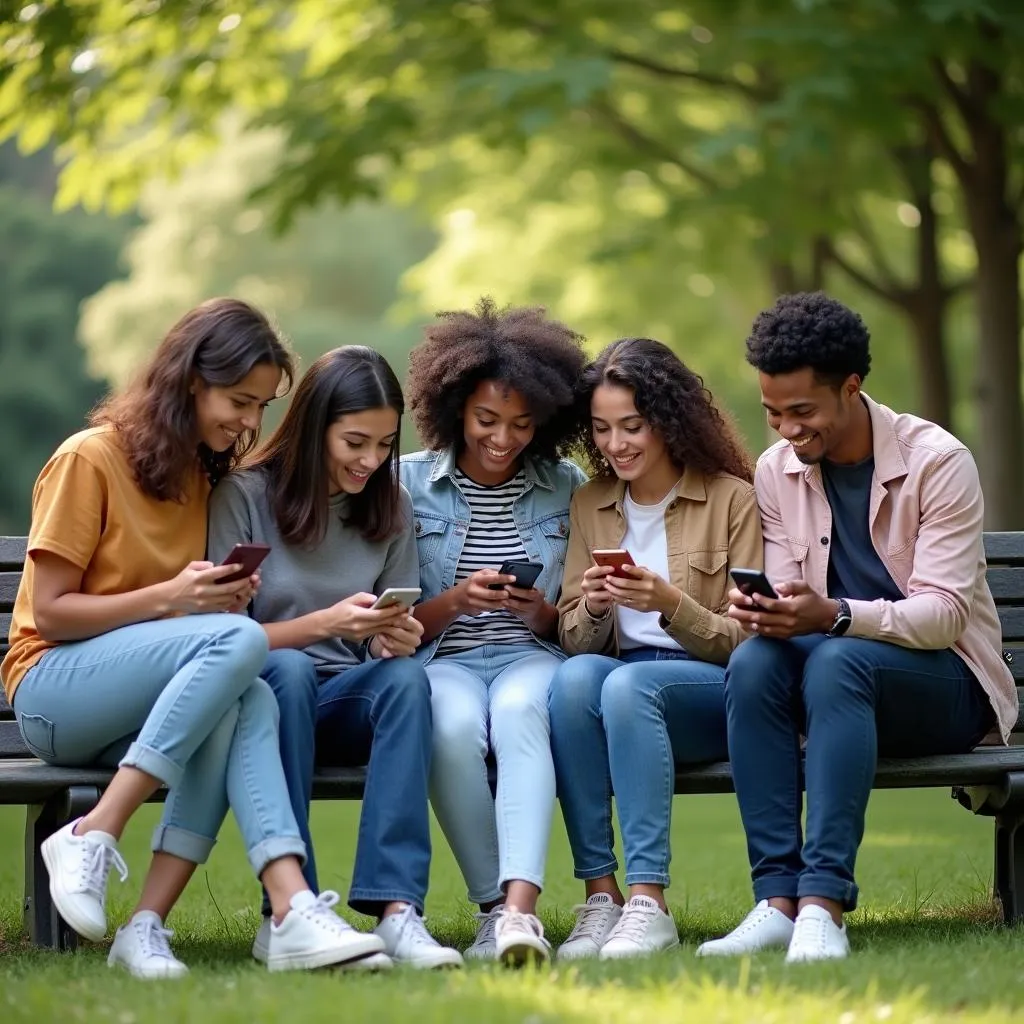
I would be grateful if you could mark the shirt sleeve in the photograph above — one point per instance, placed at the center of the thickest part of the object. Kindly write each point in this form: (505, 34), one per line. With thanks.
(779, 564)
(69, 505)
(230, 520)
(401, 564)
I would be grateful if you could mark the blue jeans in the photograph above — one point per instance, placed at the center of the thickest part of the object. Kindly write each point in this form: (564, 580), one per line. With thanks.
(621, 726)
(180, 699)
(854, 700)
(375, 714)
(494, 696)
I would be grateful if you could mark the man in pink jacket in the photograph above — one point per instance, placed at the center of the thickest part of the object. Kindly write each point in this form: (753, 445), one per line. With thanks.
(884, 639)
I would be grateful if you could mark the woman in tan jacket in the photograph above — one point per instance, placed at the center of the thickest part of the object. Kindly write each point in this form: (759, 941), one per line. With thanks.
(645, 689)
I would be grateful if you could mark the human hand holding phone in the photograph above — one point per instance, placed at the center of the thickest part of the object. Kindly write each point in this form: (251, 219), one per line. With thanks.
(478, 593)
(198, 589)
(397, 640)
(354, 618)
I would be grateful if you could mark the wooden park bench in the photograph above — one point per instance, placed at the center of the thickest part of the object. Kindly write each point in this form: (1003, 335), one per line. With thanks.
(989, 780)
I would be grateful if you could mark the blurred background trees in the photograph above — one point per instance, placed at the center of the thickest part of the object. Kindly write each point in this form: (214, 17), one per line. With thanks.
(642, 168)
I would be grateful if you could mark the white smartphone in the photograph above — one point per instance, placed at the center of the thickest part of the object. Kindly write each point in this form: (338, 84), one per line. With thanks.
(405, 596)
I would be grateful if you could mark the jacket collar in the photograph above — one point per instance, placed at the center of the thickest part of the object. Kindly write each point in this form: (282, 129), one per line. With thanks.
(533, 469)
(691, 485)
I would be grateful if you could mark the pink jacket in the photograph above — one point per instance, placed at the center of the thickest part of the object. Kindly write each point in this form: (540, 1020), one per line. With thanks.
(926, 525)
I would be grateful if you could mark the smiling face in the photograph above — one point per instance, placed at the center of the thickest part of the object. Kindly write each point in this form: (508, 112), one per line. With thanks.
(356, 445)
(633, 448)
(223, 414)
(497, 428)
(813, 416)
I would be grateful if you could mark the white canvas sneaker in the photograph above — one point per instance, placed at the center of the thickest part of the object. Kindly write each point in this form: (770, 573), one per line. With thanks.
(594, 920)
(407, 941)
(763, 928)
(644, 928)
(141, 947)
(817, 937)
(519, 939)
(312, 935)
(373, 962)
(78, 867)
(484, 945)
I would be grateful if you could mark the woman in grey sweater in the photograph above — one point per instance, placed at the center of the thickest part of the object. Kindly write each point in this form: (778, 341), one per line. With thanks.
(324, 494)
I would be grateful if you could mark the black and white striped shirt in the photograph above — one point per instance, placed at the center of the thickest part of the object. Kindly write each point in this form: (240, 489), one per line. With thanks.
(492, 538)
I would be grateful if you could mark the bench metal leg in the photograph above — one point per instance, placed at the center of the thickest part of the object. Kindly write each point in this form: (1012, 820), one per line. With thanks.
(44, 925)
(1009, 864)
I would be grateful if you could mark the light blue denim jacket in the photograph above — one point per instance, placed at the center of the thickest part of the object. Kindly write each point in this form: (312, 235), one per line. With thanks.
(441, 518)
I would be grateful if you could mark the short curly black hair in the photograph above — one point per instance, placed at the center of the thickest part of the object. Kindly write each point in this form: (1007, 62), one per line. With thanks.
(809, 329)
(520, 347)
(674, 402)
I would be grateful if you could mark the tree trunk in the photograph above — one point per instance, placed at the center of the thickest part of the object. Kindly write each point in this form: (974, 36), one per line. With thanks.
(927, 322)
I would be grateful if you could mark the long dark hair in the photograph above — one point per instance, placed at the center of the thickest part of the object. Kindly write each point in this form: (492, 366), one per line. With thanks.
(220, 341)
(673, 400)
(345, 380)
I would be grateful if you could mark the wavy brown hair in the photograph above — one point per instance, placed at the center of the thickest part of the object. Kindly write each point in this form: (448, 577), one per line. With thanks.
(220, 341)
(345, 380)
(520, 347)
(674, 402)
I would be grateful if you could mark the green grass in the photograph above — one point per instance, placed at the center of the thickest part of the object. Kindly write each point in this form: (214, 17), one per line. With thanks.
(927, 946)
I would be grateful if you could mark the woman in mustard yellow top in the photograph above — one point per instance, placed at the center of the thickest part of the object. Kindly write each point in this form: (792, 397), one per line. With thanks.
(122, 654)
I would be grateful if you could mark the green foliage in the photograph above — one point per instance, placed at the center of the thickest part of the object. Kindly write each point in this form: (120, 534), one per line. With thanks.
(48, 264)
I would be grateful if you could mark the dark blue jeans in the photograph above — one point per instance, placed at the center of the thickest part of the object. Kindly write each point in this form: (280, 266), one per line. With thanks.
(377, 714)
(854, 700)
(623, 725)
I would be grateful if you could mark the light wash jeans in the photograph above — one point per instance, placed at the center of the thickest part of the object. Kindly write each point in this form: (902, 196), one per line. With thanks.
(623, 725)
(180, 699)
(495, 695)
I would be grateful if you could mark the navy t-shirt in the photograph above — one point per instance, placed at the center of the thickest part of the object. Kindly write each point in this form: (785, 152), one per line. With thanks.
(854, 569)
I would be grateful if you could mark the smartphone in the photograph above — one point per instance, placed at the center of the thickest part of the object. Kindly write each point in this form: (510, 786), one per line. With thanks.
(526, 574)
(615, 557)
(753, 581)
(404, 596)
(248, 556)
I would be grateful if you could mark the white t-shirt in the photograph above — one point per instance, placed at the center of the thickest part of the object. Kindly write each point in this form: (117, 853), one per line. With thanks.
(646, 541)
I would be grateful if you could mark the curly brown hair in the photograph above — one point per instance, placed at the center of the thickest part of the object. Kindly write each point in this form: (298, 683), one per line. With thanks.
(674, 401)
(538, 357)
(219, 341)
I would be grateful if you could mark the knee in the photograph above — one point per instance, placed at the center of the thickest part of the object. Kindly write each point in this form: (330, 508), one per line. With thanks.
(404, 680)
(292, 677)
(519, 710)
(259, 702)
(246, 642)
(749, 668)
(835, 673)
(459, 730)
(624, 692)
(576, 687)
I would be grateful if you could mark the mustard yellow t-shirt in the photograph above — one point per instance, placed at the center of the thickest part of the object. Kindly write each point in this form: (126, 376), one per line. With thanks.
(87, 508)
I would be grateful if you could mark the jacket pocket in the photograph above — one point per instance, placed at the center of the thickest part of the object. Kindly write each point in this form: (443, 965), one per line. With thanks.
(707, 581)
(37, 732)
(798, 549)
(555, 531)
(429, 532)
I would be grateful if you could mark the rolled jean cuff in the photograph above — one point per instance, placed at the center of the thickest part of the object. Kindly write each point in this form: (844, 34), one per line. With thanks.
(274, 848)
(828, 887)
(781, 887)
(587, 874)
(152, 762)
(533, 878)
(179, 842)
(492, 896)
(648, 878)
(369, 901)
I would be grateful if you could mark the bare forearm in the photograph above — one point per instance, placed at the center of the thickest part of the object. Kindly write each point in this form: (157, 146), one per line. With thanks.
(437, 614)
(546, 626)
(76, 616)
(297, 633)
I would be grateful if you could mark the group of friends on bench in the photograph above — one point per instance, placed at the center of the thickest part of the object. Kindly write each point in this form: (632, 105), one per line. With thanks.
(415, 613)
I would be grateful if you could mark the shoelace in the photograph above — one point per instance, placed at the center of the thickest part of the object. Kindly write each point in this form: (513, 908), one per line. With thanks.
(518, 921)
(321, 911)
(750, 922)
(97, 860)
(413, 927)
(488, 922)
(810, 931)
(591, 921)
(634, 922)
(154, 939)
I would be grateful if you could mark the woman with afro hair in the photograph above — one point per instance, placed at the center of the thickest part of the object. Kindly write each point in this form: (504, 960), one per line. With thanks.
(645, 689)
(493, 395)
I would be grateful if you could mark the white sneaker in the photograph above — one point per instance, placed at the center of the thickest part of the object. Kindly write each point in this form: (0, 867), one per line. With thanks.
(643, 928)
(373, 962)
(817, 937)
(763, 928)
(594, 920)
(141, 947)
(519, 939)
(311, 935)
(407, 941)
(484, 946)
(78, 867)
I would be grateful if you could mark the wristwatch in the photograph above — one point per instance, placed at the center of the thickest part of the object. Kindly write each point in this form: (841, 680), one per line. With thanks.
(841, 623)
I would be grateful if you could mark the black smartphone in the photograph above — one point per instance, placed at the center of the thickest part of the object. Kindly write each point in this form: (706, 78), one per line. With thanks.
(753, 581)
(248, 556)
(526, 574)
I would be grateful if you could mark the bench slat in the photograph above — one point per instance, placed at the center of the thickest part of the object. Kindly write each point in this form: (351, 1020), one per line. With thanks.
(9, 582)
(1007, 585)
(1004, 548)
(1012, 620)
(12, 551)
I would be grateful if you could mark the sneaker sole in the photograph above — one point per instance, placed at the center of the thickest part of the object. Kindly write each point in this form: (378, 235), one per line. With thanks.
(522, 954)
(640, 954)
(63, 900)
(366, 946)
(447, 963)
(143, 975)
